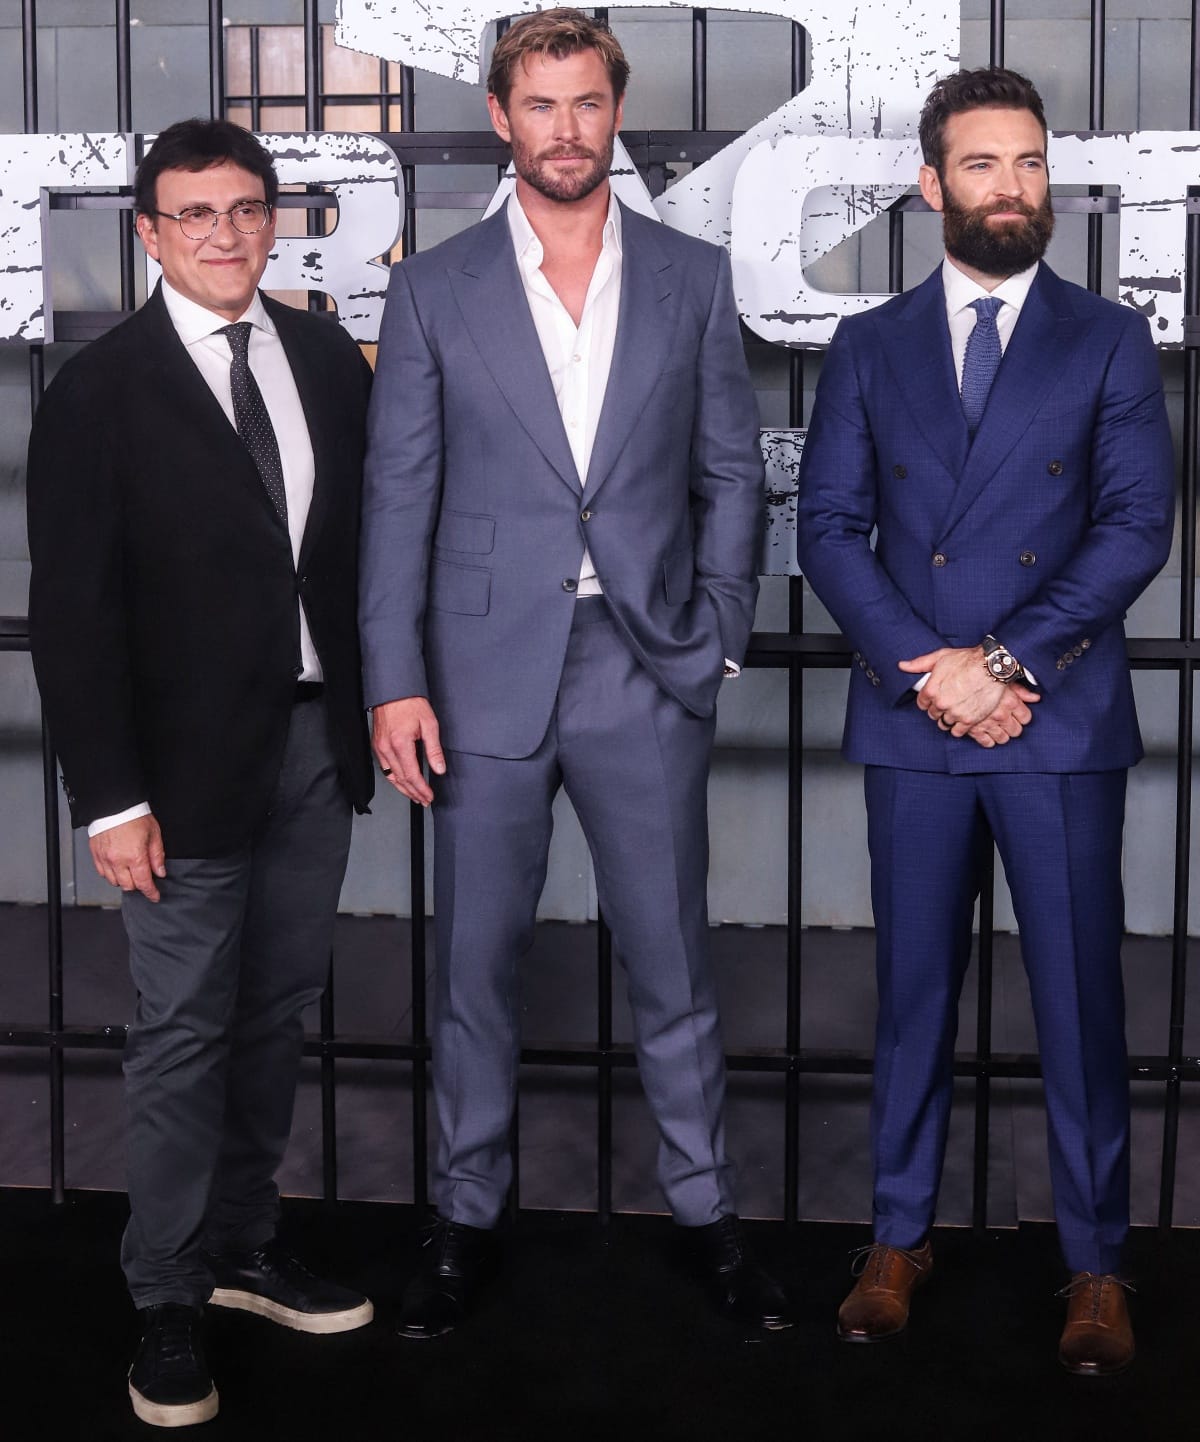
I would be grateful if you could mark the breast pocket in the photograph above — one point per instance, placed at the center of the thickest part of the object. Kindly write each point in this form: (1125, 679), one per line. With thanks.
(465, 590)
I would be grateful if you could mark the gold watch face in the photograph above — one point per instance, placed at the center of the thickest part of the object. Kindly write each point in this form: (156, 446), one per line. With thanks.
(1001, 666)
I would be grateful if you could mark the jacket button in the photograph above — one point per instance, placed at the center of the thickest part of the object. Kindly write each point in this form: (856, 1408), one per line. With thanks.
(1085, 643)
(900, 472)
(939, 558)
(1055, 468)
(1029, 558)
(1076, 650)
(1060, 664)
(585, 515)
(570, 583)
(874, 680)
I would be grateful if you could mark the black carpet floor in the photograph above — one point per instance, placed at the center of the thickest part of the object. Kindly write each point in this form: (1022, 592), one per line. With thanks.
(599, 1333)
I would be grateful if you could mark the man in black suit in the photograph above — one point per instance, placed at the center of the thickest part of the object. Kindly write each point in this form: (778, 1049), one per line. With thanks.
(193, 524)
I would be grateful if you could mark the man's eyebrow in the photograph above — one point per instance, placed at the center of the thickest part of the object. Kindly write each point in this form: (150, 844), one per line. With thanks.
(575, 99)
(991, 155)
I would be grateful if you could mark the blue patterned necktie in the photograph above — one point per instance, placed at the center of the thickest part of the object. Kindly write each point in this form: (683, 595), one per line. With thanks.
(981, 361)
(252, 418)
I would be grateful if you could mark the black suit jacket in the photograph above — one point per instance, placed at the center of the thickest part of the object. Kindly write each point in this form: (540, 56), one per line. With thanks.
(162, 608)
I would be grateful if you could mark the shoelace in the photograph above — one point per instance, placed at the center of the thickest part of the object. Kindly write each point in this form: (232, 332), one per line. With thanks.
(862, 1257)
(1095, 1282)
(175, 1350)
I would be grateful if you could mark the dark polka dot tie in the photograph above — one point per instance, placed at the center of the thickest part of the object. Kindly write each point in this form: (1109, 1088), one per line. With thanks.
(981, 361)
(250, 413)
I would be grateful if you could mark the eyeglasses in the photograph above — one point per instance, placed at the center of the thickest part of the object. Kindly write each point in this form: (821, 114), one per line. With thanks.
(199, 221)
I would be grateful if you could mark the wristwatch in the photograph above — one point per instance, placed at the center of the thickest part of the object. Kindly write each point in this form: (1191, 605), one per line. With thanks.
(1000, 664)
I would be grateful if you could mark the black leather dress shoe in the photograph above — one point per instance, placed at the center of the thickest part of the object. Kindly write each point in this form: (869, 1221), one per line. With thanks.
(270, 1282)
(741, 1289)
(455, 1262)
(169, 1384)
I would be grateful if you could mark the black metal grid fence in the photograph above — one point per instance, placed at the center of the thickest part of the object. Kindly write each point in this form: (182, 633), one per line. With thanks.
(795, 650)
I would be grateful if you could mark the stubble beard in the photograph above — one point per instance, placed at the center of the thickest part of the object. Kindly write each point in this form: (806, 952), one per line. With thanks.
(996, 250)
(564, 186)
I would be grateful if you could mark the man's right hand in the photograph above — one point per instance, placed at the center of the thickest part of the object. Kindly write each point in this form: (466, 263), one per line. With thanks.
(131, 856)
(396, 727)
(1008, 719)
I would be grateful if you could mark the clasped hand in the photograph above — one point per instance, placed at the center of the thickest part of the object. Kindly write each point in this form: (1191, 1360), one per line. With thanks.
(964, 700)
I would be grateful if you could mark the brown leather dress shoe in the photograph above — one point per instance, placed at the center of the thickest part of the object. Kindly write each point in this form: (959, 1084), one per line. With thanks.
(878, 1306)
(1098, 1338)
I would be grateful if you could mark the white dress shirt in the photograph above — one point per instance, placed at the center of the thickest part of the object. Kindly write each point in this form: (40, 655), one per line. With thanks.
(578, 358)
(199, 330)
(961, 290)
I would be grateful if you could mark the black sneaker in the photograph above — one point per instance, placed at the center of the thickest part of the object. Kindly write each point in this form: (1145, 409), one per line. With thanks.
(271, 1283)
(169, 1384)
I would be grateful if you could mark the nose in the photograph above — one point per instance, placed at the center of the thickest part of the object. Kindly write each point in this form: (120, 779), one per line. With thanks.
(1012, 181)
(224, 233)
(566, 123)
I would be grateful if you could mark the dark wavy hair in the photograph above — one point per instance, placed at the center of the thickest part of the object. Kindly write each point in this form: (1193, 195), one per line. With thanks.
(195, 145)
(991, 86)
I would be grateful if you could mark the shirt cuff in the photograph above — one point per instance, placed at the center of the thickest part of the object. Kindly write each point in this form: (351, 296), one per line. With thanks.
(106, 823)
(919, 683)
(732, 669)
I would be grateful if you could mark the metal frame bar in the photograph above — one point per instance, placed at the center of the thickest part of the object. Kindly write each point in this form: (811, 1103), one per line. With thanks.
(795, 650)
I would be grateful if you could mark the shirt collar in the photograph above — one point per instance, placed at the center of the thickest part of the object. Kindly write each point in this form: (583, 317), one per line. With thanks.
(194, 322)
(961, 290)
(529, 248)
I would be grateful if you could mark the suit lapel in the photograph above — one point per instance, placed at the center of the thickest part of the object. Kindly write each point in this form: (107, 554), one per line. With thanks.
(645, 326)
(1035, 359)
(491, 299)
(916, 341)
(174, 376)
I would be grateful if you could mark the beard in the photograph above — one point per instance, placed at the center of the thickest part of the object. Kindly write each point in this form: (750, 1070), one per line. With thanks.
(996, 250)
(563, 185)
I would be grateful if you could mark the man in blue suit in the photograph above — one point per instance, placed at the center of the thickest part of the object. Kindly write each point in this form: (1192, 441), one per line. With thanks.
(1004, 433)
(562, 517)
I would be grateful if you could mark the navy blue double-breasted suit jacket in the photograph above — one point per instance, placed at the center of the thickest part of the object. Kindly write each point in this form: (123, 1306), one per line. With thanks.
(1041, 531)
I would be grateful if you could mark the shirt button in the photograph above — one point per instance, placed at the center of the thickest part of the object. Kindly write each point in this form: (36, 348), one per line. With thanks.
(900, 472)
(939, 558)
(576, 359)
(1028, 558)
(570, 583)
(1055, 468)
(570, 425)
(585, 515)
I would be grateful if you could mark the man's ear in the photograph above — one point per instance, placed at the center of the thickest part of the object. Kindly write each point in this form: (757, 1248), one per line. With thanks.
(931, 187)
(499, 119)
(148, 234)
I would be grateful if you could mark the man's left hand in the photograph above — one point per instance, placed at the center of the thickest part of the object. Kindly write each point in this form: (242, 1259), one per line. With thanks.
(959, 693)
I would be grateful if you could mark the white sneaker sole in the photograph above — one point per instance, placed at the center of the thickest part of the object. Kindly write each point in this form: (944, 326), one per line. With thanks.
(186, 1414)
(321, 1323)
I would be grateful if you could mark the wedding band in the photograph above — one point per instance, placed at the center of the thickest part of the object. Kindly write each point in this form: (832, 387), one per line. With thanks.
(387, 770)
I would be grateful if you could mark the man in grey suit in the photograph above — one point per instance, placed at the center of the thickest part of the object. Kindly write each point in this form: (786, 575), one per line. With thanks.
(562, 514)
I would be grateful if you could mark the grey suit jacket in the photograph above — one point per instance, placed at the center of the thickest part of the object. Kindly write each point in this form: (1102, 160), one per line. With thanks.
(474, 519)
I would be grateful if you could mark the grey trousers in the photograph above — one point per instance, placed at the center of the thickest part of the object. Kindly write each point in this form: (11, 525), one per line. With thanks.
(224, 965)
(635, 766)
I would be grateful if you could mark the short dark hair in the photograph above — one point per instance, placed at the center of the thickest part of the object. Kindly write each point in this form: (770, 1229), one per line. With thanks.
(196, 145)
(559, 34)
(991, 86)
